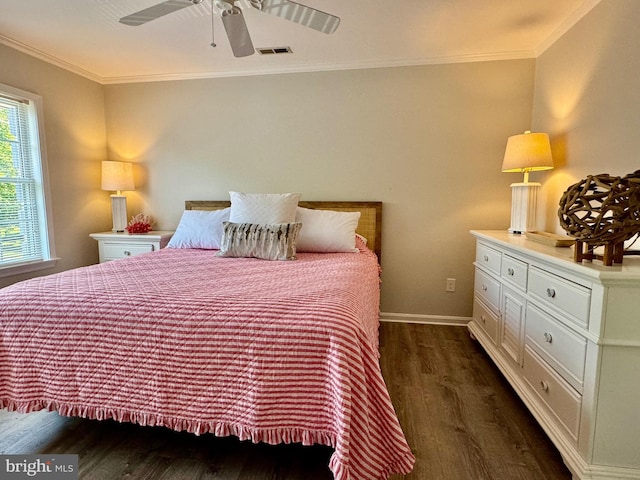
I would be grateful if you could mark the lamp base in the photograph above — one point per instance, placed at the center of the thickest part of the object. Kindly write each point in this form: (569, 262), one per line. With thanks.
(119, 213)
(524, 200)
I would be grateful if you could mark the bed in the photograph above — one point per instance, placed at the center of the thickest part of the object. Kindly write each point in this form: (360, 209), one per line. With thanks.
(268, 351)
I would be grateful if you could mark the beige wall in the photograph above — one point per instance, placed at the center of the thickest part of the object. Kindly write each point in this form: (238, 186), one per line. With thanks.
(587, 96)
(74, 124)
(427, 141)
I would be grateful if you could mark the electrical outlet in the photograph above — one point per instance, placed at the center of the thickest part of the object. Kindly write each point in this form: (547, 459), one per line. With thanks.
(451, 285)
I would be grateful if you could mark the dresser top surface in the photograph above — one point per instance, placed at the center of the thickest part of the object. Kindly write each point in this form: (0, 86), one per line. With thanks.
(563, 257)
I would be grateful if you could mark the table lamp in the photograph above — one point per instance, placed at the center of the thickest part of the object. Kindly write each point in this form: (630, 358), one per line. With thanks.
(118, 176)
(527, 152)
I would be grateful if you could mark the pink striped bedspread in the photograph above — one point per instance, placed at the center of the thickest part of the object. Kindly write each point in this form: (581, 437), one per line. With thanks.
(267, 351)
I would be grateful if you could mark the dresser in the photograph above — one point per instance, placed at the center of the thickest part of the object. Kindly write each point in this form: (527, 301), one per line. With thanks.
(112, 246)
(566, 335)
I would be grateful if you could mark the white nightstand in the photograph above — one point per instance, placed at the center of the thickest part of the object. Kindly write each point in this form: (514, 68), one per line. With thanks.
(121, 245)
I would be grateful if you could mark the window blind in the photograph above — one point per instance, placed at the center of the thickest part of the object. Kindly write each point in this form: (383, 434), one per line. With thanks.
(22, 213)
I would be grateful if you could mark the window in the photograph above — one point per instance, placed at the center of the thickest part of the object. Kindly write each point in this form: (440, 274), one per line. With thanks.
(26, 243)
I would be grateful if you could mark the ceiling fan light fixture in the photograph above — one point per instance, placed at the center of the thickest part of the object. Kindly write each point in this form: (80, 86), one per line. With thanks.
(234, 22)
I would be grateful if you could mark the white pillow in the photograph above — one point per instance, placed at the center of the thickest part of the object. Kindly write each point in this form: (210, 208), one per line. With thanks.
(327, 230)
(263, 208)
(200, 229)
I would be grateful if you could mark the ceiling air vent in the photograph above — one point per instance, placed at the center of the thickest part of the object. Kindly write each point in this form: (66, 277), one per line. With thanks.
(273, 50)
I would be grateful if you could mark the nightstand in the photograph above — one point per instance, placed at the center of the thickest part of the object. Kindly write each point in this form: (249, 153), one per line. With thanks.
(113, 246)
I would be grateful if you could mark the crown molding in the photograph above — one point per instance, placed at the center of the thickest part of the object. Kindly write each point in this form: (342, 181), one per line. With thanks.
(301, 68)
(39, 54)
(565, 26)
(324, 67)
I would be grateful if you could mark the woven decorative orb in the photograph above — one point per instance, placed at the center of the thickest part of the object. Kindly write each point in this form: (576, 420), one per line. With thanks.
(634, 197)
(601, 209)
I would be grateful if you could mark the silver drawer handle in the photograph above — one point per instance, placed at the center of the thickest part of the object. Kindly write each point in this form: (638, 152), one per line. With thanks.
(544, 385)
(551, 293)
(486, 258)
(511, 271)
(127, 253)
(484, 288)
(484, 320)
(547, 337)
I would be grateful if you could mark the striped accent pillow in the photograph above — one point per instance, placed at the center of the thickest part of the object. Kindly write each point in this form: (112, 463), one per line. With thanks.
(266, 241)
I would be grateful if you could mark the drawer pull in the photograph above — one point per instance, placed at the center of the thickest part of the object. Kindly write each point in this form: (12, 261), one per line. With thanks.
(547, 337)
(551, 293)
(484, 288)
(511, 271)
(486, 258)
(127, 253)
(544, 385)
(484, 320)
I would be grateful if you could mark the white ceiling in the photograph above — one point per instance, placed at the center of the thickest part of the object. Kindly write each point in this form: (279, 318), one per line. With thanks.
(85, 36)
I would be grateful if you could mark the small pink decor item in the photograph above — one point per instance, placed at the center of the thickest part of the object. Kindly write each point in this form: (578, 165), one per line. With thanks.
(141, 223)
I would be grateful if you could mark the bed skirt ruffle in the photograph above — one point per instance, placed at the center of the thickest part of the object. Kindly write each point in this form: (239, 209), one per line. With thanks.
(219, 429)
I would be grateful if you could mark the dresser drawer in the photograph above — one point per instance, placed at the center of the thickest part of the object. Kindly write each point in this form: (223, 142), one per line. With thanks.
(485, 319)
(511, 334)
(559, 346)
(561, 399)
(488, 289)
(514, 271)
(488, 258)
(559, 293)
(112, 251)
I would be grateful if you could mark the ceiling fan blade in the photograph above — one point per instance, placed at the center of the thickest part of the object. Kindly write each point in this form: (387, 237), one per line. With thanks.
(157, 11)
(298, 13)
(237, 31)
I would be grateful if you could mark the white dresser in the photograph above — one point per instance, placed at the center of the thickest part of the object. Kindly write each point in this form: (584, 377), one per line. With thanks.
(567, 337)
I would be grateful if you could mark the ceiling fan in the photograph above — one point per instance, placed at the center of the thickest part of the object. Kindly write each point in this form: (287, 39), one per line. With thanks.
(233, 18)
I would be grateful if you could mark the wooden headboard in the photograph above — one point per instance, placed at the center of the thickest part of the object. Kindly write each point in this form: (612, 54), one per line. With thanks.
(369, 226)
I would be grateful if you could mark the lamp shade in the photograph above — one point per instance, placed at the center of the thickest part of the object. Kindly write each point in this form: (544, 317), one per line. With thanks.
(527, 152)
(117, 176)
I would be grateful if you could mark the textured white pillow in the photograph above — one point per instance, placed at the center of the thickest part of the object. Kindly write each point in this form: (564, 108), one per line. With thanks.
(200, 229)
(269, 242)
(327, 230)
(263, 208)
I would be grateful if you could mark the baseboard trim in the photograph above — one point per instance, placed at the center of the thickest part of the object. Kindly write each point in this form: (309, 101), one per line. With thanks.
(426, 319)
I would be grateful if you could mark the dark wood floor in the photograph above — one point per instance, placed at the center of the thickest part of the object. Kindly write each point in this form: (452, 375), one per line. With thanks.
(461, 418)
